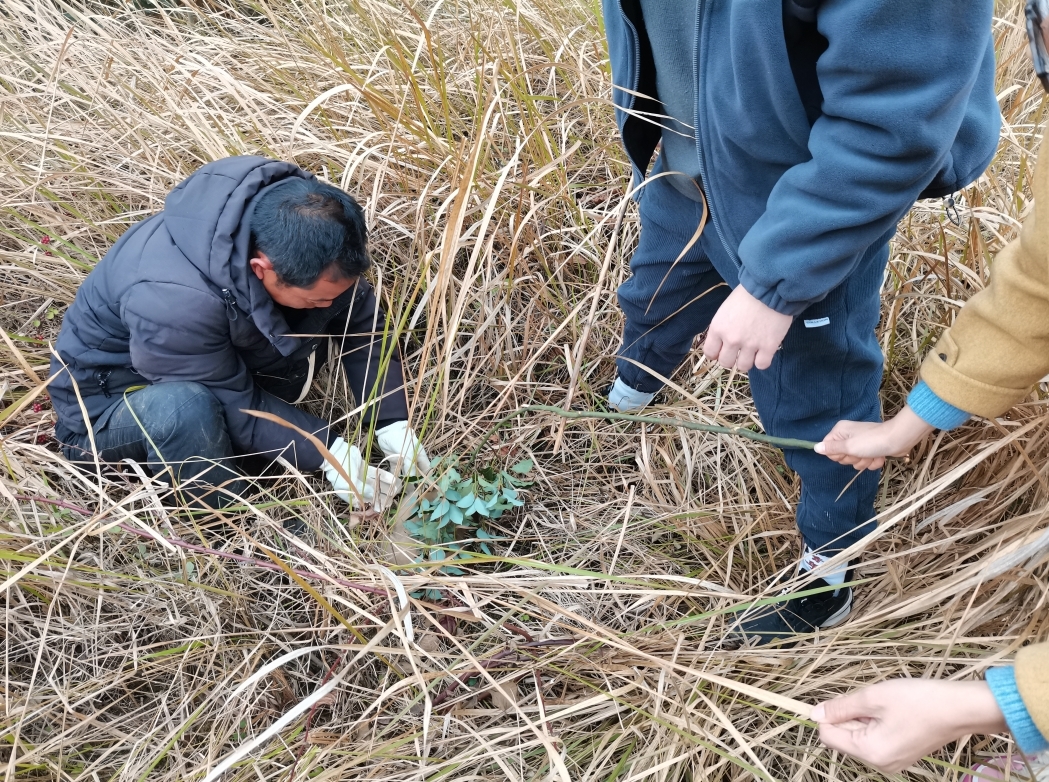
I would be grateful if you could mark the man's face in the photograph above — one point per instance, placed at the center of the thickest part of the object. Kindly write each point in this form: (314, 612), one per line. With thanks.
(321, 294)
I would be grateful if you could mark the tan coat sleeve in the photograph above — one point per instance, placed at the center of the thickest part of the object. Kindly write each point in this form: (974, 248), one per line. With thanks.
(1032, 681)
(999, 345)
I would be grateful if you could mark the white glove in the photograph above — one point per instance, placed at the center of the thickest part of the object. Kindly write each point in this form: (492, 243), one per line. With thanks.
(399, 441)
(376, 488)
(626, 400)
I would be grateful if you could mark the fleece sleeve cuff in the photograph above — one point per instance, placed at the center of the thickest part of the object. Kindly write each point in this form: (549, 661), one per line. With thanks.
(933, 410)
(1002, 682)
(770, 297)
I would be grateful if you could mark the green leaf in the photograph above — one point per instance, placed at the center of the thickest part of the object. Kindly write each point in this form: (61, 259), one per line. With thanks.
(484, 535)
(453, 496)
(485, 549)
(523, 466)
(467, 501)
(436, 555)
(455, 514)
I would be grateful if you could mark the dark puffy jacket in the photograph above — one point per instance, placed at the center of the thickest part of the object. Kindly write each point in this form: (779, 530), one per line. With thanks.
(899, 103)
(175, 300)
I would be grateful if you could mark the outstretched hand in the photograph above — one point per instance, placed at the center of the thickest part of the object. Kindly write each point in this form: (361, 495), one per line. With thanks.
(892, 724)
(864, 445)
(745, 333)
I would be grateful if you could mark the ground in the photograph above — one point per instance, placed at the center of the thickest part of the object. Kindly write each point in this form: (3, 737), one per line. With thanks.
(479, 138)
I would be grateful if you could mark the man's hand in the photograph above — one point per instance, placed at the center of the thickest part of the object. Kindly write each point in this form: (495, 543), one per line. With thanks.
(892, 724)
(865, 445)
(745, 333)
(399, 442)
(370, 488)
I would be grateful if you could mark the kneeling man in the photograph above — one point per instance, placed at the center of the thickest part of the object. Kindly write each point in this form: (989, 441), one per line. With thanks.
(228, 300)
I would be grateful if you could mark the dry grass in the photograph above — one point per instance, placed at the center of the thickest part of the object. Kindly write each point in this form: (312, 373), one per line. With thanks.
(480, 138)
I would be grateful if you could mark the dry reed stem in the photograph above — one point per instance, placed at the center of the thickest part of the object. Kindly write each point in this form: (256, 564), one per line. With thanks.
(480, 140)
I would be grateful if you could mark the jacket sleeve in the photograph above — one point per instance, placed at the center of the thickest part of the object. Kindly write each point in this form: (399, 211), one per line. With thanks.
(371, 358)
(897, 77)
(192, 344)
(1032, 682)
(1022, 693)
(998, 346)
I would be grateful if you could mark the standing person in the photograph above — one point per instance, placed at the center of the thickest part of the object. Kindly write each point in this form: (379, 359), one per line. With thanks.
(985, 363)
(808, 132)
(225, 302)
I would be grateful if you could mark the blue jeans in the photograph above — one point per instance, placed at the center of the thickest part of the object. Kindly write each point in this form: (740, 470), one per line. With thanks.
(829, 367)
(176, 430)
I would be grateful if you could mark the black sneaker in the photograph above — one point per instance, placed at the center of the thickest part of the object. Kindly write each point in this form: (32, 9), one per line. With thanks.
(297, 527)
(818, 606)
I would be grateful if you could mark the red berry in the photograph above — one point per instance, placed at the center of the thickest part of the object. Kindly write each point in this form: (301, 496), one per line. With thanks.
(37, 407)
(46, 239)
(47, 252)
(42, 439)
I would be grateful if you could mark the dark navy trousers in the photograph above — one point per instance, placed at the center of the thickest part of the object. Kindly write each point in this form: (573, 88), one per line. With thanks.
(829, 367)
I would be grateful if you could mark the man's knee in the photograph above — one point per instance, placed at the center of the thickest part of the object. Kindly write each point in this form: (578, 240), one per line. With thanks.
(182, 407)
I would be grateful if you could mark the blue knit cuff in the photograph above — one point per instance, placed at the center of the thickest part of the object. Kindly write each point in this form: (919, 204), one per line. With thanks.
(933, 410)
(1002, 682)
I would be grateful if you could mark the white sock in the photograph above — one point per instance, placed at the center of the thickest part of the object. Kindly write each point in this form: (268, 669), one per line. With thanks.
(627, 400)
(810, 560)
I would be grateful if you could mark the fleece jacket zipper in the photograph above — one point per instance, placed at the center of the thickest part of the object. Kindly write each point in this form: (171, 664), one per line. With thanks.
(697, 119)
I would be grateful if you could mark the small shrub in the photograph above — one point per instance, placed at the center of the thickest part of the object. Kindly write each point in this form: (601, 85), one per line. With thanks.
(451, 515)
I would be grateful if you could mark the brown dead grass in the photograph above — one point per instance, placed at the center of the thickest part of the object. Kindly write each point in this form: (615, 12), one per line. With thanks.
(480, 138)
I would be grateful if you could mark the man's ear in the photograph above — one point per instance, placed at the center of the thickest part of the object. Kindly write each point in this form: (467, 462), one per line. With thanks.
(260, 264)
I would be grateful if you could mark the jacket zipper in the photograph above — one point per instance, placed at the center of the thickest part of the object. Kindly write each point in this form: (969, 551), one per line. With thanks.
(103, 381)
(231, 303)
(699, 147)
(636, 76)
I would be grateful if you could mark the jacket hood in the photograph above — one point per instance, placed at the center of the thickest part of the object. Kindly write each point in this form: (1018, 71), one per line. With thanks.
(208, 217)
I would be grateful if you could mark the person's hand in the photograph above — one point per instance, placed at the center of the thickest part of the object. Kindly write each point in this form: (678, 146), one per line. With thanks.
(865, 445)
(400, 443)
(892, 724)
(371, 487)
(745, 333)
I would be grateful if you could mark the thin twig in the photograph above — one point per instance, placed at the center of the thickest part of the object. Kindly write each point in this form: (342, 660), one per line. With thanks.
(739, 431)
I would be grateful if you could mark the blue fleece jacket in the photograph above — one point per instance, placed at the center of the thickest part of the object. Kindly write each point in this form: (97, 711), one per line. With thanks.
(907, 109)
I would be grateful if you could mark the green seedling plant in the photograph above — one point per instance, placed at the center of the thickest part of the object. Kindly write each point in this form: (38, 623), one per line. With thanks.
(450, 517)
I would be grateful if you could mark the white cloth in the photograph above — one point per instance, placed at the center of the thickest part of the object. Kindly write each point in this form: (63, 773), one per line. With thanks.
(400, 443)
(372, 488)
(626, 400)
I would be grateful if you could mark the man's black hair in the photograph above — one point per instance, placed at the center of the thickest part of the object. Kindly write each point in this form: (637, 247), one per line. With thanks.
(306, 228)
